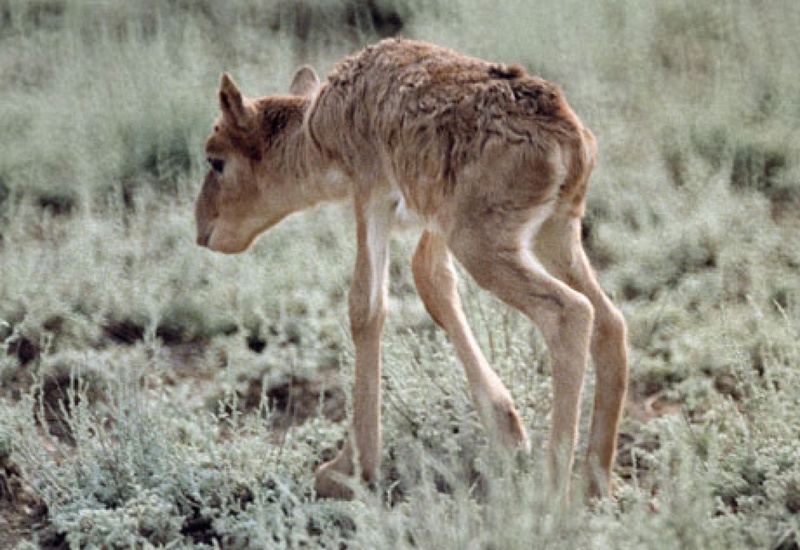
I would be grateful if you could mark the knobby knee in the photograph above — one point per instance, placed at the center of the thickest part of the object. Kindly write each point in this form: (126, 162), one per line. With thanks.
(577, 315)
(609, 348)
(612, 325)
(610, 329)
(367, 316)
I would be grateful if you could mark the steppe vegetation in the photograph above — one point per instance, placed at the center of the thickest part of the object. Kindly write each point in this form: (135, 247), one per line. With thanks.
(155, 394)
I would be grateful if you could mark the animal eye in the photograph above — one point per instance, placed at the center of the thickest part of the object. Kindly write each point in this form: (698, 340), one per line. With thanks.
(216, 164)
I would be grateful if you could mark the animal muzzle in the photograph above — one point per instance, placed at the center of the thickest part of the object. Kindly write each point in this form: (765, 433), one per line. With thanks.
(203, 237)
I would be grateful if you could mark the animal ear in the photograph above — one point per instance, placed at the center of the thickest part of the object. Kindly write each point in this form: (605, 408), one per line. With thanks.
(231, 103)
(305, 81)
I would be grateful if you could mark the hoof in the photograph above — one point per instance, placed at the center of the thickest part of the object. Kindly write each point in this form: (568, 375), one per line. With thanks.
(510, 431)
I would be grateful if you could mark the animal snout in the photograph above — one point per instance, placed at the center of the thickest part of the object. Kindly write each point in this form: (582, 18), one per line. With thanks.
(203, 237)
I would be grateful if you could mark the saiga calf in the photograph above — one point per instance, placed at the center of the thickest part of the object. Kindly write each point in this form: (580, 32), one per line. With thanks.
(493, 163)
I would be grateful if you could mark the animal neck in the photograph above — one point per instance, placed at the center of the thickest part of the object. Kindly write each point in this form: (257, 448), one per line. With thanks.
(315, 177)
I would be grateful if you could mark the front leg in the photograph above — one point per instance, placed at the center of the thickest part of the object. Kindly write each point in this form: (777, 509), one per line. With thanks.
(368, 307)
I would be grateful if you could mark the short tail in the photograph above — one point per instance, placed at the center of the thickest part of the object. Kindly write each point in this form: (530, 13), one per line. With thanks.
(582, 160)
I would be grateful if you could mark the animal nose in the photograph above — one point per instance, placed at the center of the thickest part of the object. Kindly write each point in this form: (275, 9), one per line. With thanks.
(203, 238)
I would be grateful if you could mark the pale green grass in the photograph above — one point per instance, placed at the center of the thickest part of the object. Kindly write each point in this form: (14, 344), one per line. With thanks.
(126, 369)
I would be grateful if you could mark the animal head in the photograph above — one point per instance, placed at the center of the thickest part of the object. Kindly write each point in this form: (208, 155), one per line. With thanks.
(251, 182)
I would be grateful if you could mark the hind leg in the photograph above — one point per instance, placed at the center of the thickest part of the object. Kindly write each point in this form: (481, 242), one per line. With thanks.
(495, 252)
(436, 283)
(558, 244)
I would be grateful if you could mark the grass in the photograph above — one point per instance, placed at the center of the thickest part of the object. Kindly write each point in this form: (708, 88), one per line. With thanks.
(153, 394)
